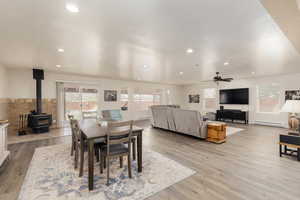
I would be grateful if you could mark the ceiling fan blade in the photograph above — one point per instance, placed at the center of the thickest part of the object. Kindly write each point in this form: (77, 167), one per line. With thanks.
(229, 79)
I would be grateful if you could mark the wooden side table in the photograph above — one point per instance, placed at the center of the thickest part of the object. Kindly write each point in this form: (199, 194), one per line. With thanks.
(216, 132)
(291, 144)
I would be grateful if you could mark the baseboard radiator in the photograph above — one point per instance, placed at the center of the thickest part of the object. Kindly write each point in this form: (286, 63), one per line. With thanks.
(278, 124)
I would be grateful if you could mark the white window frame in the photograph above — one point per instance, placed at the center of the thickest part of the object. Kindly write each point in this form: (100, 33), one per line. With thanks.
(258, 107)
(122, 92)
(206, 98)
(138, 100)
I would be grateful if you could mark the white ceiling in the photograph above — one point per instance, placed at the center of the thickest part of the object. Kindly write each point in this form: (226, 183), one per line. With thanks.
(110, 38)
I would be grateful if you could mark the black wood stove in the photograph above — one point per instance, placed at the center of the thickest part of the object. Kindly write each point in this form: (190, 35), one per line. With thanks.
(38, 121)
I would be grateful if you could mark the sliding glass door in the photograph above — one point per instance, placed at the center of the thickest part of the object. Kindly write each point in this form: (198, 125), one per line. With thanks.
(78, 100)
(89, 100)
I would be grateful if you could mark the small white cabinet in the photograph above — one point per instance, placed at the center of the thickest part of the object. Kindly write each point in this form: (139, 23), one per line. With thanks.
(4, 153)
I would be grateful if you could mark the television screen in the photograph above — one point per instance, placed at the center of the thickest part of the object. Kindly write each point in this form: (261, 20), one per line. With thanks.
(234, 96)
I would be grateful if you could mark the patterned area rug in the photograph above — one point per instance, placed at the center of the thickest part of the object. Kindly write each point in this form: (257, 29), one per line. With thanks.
(51, 176)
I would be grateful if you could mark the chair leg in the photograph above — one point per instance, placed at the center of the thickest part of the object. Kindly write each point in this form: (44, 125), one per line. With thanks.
(72, 147)
(134, 149)
(121, 161)
(129, 165)
(76, 156)
(107, 162)
(101, 163)
(97, 154)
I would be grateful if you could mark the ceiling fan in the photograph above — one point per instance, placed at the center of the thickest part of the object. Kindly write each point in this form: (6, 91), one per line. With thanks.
(218, 78)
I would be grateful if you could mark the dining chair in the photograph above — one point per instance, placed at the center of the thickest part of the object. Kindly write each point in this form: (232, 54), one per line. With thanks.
(118, 134)
(70, 117)
(113, 116)
(80, 149)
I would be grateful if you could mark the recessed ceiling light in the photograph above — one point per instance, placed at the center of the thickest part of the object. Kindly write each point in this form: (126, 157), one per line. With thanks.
(58, 66)
(72, 8)
(252, 73)
(226, 63)
(60, 50)
(189, 50)
(180, 73)
(145, 66)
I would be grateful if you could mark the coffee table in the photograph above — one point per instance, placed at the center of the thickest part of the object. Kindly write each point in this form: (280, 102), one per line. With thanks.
(216, 132)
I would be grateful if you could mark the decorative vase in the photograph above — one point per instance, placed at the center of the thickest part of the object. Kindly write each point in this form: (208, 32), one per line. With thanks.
(293, 122)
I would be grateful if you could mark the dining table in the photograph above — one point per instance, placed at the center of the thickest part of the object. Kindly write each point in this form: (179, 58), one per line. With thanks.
(92, 129)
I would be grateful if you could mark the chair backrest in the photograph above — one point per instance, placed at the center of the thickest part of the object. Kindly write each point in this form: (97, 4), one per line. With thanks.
(119, 132)
(75, 129)
(112, 115)
(89, 115)
(70, 116)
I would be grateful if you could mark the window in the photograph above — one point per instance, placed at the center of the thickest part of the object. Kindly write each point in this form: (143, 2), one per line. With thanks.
(89, 100)
(210, 98)
(144, 101)
(269, 98)
(124, 95)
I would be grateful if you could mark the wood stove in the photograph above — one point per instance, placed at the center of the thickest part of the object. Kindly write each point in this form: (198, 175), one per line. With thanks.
(38, 121)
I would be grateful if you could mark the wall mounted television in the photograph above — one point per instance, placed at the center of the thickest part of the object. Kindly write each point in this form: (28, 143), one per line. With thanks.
(234, 96)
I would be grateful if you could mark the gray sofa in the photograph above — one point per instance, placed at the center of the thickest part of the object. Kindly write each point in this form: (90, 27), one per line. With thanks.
(175, 119)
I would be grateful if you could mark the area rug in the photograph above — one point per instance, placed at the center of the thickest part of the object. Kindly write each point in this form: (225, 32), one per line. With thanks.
(232, 130)
(51, 176)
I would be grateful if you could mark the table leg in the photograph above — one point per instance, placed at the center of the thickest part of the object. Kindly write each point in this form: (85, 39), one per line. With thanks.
(280, 150)
(91, 164)
(140, 152)
(285, 149)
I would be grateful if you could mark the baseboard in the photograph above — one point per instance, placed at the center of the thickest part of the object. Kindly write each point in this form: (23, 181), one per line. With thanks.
(269, 124)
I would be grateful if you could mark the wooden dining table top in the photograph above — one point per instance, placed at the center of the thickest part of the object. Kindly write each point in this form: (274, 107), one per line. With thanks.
(92, 129)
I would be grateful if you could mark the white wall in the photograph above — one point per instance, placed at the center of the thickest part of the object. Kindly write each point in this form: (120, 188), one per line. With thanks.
(3, 92)
(3, 82)
(22, 85)
(286, 82)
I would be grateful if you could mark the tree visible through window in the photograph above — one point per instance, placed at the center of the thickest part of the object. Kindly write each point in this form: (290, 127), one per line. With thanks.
(269, 98)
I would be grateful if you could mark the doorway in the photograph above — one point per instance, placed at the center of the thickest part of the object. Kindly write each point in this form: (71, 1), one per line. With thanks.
(78, 100)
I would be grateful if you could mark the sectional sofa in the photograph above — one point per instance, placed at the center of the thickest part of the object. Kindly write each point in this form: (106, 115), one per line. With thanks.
(173, 118)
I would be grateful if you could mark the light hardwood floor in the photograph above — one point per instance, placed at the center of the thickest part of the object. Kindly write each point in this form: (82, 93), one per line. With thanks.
(247, 166)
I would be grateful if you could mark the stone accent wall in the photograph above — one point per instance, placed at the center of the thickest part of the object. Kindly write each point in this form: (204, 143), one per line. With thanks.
(24, 106)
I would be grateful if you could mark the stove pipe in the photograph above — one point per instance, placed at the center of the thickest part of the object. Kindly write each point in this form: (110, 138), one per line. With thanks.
(38, 75)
